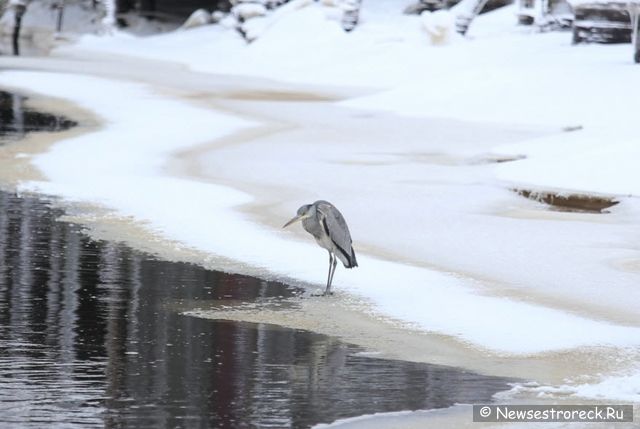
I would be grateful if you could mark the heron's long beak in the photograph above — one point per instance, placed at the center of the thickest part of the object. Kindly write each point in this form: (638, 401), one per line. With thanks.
(295, 219)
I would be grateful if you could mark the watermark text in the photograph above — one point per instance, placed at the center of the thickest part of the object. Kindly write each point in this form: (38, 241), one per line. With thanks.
(553, 413)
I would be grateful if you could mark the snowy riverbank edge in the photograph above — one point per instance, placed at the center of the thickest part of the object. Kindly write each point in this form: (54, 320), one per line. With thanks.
(120, 167)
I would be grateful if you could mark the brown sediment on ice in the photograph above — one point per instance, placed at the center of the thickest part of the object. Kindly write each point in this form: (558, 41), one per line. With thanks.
(570, 201)
(274, 95)
(632, 264)
(267, 207)
(497, 159)
(355, 322)
(340, 316)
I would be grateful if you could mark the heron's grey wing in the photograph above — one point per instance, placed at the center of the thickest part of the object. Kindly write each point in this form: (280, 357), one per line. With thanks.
(337, 229)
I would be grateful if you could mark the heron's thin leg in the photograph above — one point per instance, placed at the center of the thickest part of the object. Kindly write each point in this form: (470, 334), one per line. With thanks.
(331, 257)
(332, 270)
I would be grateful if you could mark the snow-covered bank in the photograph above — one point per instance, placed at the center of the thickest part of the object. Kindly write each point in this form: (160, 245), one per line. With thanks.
(503, 74)
(503, 77)
(121, 167)
(424, 191)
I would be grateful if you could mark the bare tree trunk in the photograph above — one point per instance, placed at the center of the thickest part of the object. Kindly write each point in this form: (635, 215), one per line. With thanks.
(636, 44)
(634, 13)
(60, 16)
(19, 9)
(109, 21)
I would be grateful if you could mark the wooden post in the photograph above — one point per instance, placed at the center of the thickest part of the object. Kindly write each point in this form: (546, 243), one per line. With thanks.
(543, 10)
(463, 19)
(636, 44)
(18, 10)
(60, 16)
(634, 13)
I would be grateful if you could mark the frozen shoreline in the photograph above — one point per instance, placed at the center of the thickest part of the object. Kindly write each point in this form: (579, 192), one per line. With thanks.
(66, 182)
(123, 169)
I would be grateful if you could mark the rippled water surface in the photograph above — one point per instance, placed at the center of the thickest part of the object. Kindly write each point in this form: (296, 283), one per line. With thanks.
(17, 119)
(91, 335)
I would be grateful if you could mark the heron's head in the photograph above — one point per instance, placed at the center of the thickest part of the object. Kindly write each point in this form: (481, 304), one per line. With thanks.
(303, 213)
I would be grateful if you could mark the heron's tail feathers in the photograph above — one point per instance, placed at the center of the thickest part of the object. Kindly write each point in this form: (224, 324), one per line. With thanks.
(348, 259)
(353, 262)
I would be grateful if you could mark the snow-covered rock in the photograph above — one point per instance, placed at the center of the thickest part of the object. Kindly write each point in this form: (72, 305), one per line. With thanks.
(217, 16)
(255, 27)
(439, 26)
(245, 11)
(198, 18)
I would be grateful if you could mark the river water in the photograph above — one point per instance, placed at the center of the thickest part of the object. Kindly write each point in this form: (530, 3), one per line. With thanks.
(92, 335)
(17, 119)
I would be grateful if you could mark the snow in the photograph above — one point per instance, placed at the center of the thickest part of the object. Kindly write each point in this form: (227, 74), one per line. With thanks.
(439, 25)
(611, 387)
(320, 42)
(621, 388)
(420, 190)
(454, 103)
(600, 3)
(593, 161)
(392, 51)
(121, 168)
(368, 418)
(198, 18)
(249, 10)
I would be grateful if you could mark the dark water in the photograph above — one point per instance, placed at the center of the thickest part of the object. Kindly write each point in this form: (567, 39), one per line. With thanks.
(16, 119)
(26, 45)
(91, 335)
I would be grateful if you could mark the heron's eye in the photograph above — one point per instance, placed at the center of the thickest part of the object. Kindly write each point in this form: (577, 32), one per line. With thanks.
(303, 210)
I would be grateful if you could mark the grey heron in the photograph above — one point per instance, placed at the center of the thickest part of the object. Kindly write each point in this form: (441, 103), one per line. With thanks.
(327, 225)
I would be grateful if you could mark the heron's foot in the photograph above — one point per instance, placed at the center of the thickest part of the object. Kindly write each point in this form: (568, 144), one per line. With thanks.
(325, 293)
